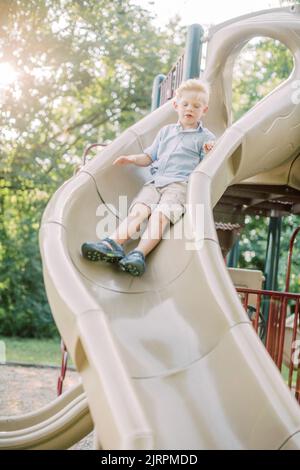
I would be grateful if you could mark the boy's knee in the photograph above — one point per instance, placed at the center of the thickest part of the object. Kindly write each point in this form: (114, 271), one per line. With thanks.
(159, 214)
(141, 211)
(160, 217)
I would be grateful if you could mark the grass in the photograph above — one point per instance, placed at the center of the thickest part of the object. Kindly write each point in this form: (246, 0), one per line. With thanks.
(285, 374)
(33, 351)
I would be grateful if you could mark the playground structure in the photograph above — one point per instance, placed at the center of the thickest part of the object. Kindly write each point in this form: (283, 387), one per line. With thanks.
(171, 360)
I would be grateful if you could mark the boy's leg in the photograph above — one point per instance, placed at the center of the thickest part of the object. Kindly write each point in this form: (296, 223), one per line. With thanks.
(153, 233)
(134, 262)
(139, 210)
(129, 226)
(110, 249)
(169, 210)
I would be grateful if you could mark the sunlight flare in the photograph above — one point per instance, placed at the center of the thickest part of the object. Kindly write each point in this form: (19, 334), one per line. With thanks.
(7, 74)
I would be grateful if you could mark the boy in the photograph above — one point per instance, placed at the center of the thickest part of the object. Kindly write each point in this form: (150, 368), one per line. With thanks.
(174, 154)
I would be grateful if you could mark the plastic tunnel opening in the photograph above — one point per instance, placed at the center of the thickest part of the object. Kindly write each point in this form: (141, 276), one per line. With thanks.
(261, 66)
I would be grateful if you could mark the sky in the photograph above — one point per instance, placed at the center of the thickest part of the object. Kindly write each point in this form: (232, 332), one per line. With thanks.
(203, 12)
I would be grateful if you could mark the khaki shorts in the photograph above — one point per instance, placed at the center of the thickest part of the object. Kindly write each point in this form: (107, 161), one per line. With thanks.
(170, 199)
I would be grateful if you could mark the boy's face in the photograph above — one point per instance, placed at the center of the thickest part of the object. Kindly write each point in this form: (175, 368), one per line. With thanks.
(190, 108)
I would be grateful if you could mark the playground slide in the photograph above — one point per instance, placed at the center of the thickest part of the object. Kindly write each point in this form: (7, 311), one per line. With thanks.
(58, 425)
(170, 360)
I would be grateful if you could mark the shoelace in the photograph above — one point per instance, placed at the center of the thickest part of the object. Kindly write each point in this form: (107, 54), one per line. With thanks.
(137, 254)
(114, 245)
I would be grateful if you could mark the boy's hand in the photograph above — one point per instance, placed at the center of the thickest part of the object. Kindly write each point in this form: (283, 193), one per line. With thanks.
(124, 160)
(208, 146)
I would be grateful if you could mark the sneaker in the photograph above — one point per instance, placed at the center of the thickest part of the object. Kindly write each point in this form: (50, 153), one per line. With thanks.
(133, 263)
(101, 251)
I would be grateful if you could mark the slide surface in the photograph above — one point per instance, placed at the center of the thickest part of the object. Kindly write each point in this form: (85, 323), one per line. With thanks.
(170, 360)
(58, 425)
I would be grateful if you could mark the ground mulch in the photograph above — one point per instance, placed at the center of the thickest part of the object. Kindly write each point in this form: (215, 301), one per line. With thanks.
(25, 389)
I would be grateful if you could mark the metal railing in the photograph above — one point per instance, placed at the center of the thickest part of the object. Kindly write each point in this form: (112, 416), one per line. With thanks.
(187, 66)
(281, 340)
(172, 81)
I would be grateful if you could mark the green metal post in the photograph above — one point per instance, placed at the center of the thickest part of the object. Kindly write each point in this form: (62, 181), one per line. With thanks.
(155, 98)
(193, 52)
(233, 257)
(273, 252)
(271, 262)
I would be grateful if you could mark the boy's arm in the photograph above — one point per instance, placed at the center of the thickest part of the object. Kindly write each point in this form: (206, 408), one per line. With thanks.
(141, 159)
(152, 150)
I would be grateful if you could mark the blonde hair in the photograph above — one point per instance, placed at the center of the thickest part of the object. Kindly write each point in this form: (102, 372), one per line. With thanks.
(196, 85)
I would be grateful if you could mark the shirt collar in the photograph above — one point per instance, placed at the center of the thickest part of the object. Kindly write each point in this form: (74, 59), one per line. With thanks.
(180, 128)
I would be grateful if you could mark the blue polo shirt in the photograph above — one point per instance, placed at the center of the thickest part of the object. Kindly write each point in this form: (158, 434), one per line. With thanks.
(176, 152)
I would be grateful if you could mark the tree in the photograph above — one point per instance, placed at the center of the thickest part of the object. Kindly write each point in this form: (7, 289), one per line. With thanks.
(84, 71)
(261, 66)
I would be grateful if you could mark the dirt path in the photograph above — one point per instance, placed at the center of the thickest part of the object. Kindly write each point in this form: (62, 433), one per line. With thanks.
(25, 389)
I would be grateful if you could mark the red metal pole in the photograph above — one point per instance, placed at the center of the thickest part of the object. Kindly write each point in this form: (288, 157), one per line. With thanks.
(297, 391)
(245, 301)
(270, 333)
(293, 348)
(282, 319)
(288, 271)
(276, 325)
(63, 369)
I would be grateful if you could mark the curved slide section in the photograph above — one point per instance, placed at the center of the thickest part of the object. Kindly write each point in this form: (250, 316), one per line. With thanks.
(170, 360)
(59, 425)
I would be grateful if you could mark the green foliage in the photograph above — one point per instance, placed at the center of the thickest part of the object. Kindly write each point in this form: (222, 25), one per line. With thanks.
(82, 66)
(84, 73)
(253, 246)
(24, 309)
(261, 66)
(289, 224)
(253, 243)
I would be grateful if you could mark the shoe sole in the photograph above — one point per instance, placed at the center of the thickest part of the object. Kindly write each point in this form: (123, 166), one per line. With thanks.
(131, 269)
(93, 255)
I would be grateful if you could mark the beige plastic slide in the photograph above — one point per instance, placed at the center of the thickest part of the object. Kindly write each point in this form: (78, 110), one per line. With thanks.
(170, 360)
(58, 425)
